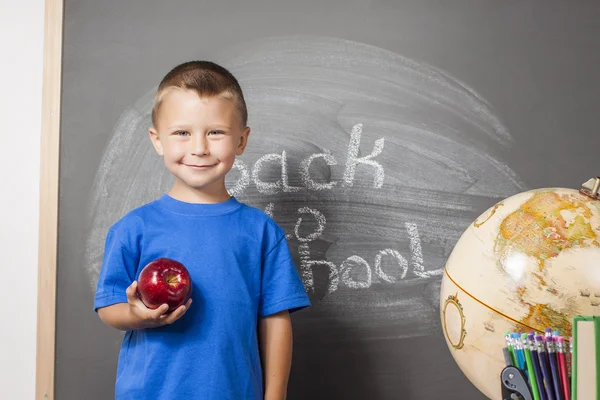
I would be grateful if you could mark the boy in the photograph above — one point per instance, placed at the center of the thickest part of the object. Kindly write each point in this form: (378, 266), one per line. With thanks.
(235, 341)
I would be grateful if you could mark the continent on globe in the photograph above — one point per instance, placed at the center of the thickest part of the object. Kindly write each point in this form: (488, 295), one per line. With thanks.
(543, 228)
(528, 263)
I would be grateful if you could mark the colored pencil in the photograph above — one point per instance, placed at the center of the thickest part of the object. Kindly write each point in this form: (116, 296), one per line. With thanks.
(562, 365)
(545, 366)
(507, 357)
(536, 367)
(511, 349)
(532, 381)
(554, 368)
(519, 352)
(570, 357)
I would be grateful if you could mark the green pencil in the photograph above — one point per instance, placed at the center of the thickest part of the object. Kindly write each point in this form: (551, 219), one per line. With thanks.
(531, 372)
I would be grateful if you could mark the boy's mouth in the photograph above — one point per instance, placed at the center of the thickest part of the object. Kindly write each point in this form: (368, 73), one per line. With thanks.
(200, 166)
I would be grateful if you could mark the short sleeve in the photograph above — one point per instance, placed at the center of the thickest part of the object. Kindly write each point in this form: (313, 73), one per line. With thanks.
(118, 271)
(282, 289)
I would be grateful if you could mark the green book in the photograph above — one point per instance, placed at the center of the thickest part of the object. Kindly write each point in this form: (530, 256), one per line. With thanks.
(585, 381)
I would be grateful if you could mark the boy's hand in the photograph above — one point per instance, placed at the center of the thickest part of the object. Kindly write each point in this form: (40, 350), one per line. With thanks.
(149, 318)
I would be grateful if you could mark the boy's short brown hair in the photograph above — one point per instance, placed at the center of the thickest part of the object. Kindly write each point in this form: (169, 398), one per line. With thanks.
(207, 79)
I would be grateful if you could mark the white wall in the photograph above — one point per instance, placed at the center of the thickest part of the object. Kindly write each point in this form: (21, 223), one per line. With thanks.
(21, 55)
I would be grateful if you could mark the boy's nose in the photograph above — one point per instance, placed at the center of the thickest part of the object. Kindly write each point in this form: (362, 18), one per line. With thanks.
(200, 145)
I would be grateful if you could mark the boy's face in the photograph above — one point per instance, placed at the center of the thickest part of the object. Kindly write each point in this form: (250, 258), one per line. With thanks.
(199, 138)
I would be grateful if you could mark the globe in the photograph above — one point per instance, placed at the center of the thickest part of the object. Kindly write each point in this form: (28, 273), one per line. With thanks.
(530, 262)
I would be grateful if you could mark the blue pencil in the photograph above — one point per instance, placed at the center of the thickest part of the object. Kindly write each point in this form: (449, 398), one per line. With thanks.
(544, 363)
(539, 380)
(554, 368)
(518, 346)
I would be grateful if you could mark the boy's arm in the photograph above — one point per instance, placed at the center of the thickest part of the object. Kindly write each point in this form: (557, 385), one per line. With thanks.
(135, 315)
(275, 334)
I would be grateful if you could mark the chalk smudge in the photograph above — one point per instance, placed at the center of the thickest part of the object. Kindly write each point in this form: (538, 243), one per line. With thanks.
(365, 157)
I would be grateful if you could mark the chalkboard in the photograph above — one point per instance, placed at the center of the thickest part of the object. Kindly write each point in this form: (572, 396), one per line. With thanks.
(380, 130)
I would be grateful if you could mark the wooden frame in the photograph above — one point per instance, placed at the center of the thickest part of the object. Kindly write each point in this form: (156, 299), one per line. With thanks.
(49, 181)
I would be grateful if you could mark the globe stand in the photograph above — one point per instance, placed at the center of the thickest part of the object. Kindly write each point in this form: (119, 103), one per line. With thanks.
(591, 188)
(514, 384)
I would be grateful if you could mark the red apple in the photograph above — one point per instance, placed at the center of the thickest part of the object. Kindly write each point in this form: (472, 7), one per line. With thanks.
(164, 281)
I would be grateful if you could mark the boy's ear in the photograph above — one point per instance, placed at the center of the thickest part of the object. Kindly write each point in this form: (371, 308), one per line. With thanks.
(243, 141)
(156, 141)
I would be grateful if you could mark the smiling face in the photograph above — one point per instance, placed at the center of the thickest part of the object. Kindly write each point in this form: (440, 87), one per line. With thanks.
(199, 138)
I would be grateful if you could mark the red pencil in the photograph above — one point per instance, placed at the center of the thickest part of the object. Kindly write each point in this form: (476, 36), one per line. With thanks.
(562, 366)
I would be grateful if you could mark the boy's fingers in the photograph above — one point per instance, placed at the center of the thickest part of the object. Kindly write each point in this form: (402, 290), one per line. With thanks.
(182, 310)
(175, 315)
(131, 291)
(160, 312)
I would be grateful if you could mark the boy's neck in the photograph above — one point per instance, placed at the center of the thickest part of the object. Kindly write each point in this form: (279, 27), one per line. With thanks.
(187, 194)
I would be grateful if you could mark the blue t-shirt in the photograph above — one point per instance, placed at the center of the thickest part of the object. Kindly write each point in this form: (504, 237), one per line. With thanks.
(241, 270)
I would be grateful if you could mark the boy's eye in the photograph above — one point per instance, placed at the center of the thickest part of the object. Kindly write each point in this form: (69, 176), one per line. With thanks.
(216, 132)
(181, 133)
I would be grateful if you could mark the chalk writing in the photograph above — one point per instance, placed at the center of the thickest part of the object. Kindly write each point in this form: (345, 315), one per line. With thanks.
(282, 185)
(352, 160)
(354, 264)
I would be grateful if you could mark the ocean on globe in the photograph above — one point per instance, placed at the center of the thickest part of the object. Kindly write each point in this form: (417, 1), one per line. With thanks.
(530, 262)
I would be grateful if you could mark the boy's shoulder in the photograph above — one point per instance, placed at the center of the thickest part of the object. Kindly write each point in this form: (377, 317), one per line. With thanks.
(134, 219)
(259, 216)
(254, 212)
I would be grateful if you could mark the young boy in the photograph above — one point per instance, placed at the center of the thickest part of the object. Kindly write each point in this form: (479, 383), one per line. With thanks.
(235, 340)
